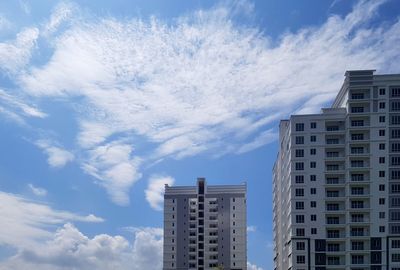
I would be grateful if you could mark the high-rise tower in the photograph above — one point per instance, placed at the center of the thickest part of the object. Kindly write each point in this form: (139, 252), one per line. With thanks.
(336, 187)
(205, 227)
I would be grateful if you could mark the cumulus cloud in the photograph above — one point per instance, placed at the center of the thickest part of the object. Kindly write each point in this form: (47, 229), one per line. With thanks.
(45, 238)
(115, 168)
(37, 190)
(155, 191)
(57, 157)
(28, 221)
(197, 84)
(253, 267)
(251, 228)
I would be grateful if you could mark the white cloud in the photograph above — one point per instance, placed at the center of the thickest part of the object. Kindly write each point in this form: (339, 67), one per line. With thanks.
(57, 157)
(115, 168)
(20, 105)
(26, 8)
(200, 84)
(251, 228)
(29, 222)
(45, 239)
(253, 267)
(14, 55)
(37, 190)
(68, 248)
(4, 23)
(61, 13)
(155, 190)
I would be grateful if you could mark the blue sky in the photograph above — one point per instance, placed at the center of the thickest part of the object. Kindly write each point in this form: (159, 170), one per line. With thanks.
(103, 102)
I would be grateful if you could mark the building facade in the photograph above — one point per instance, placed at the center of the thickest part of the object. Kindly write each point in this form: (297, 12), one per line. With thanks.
(336, 181)
(205, 227)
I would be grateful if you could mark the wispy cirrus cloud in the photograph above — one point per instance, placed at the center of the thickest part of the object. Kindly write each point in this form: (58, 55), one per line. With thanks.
(28, 221)
(38, 191)
(155, 190)
(198, 84)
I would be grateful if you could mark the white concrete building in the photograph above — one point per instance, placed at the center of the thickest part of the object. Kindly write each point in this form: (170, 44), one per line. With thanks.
(205, 227)
(336, 186)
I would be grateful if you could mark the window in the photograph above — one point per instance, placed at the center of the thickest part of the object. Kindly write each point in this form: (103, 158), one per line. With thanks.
(395, 175)
(357, 109)
(396, 257)
(381, 132)
(395, 188)
(332, 220)
(395, 106)
(395, 147)
(357, 163)
(313, 138)
(301, 259)
(299, 192)
(382, 119)
(313, 191)
(395, 243)
(313, 125)
(299, 218)
(299, 179)
(381, 228)
(357, 191)
(313, 151)
(357, 96)
(382, 105)
(395, 133)
(381, 187)
(357, 218)
(395, 202)
(357, 136)
(381, 146)
(300, 246)
(313, 204)
(299, 205)
(381, 201)
(395, 160)
(395, 91)
(357, 259)
(381, 160)
(299, 152)
(313, 217)
(299, 126)
(357, 245)
(357, 204)
(381, 173)
(356, 177)
(299, 139)
(382, 215)
(313, 164)
(395, 119)
(332, 207)
(382, 91)
(313, 230)
(299, 166)
(333, 234)
(357, 123)
(313, 177)
(300, 232)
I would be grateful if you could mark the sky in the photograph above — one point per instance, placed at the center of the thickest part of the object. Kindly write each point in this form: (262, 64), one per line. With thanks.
(104, 102)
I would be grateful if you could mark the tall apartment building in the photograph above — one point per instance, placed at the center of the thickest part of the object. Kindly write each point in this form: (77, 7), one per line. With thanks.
(336, 181)
(205, 227)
